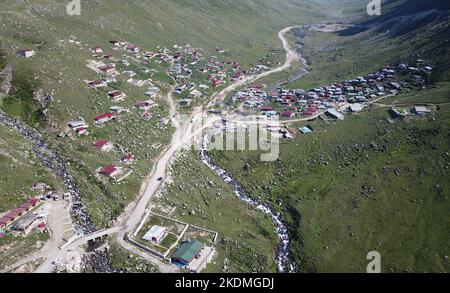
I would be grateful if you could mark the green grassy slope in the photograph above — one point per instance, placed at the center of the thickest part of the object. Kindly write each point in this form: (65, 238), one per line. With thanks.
(248, 29)
(353, 52)
(20, 169)
(247, 239)
(244, 27)
(365, 184)
(357, 186)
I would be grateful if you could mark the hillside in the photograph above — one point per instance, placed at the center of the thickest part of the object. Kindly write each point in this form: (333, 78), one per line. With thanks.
(246, 27)
(366, 183)
(57, 75)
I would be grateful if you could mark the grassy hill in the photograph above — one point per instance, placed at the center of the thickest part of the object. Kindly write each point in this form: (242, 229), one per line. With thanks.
(365, 183)
(390, 38)
(244, 27)
(247, 29)
(20, 169)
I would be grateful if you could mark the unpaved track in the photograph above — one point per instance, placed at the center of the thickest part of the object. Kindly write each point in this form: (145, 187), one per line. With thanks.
(182, 136)
(291, 56)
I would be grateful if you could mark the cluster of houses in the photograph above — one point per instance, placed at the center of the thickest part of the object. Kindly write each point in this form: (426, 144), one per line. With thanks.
(110, 74)
(21, 220)
(113, 171)
(351, 96)
(209, 72)
(106, 66)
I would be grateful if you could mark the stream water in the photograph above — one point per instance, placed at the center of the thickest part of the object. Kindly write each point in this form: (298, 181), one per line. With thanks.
(285, 263)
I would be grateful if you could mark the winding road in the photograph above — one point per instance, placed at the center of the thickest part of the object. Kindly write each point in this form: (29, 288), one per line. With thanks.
(183, 135)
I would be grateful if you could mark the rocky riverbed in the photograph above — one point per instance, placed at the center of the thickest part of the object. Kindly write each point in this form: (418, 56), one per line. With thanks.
(284, 260)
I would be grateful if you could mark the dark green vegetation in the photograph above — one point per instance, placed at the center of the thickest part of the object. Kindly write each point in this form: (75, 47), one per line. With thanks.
(365, 183)
(20, 101)
(2, 59)
(20, 169)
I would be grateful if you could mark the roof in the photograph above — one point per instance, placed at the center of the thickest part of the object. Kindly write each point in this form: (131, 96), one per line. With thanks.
(108, 170)
(127, 157)
(4, 222)
(23, 223)
(188, 250)
(26, 205)
(305, 130)
(335, 113)
(33, 201)
(115, 93)
(104, 116)
(75, 124)
(96, 82)
(19, 210)
(107, 67)
(81, 129)
(154, 232)
(421, 109)
(356, 107)
(101, 143)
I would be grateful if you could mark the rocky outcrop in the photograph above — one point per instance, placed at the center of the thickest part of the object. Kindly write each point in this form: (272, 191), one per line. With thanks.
(6, 80)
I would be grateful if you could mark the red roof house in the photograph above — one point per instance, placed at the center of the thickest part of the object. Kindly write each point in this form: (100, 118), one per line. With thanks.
(103, 145)
(265, 109)
(288, 114)
(33, 201)
(128, 159)
(116, 95)
(105, 117)
(109, 170)
(82, 131)
(97, 84)
(311, 111)
(108, 69)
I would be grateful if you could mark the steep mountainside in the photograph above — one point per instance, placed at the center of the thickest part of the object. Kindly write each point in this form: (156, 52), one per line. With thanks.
(416, 26)
(247, 30)
(244, 26)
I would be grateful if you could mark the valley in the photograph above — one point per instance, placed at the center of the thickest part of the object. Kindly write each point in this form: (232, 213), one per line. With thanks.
(117, 117)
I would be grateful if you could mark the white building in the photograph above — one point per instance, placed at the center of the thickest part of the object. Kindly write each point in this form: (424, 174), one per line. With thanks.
(356, 108)
(335, 114)
(27, 53)
(156, 234)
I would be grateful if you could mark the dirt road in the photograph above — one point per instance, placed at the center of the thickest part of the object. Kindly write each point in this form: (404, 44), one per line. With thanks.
(184, 133)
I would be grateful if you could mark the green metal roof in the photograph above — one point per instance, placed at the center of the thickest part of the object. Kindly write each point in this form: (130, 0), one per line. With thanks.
(188, 250)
